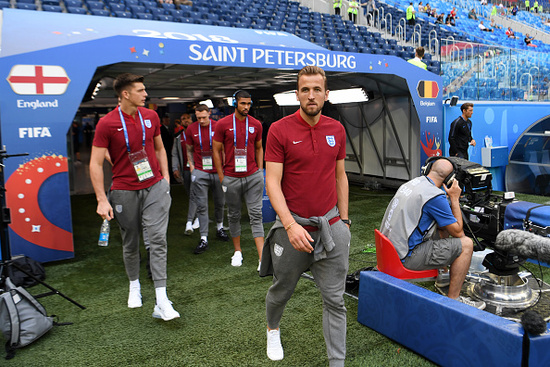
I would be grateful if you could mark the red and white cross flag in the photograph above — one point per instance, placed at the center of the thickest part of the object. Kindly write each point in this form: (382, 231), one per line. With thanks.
(38, 79)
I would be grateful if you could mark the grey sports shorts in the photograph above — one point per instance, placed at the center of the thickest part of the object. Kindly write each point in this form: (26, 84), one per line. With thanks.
(434, 254)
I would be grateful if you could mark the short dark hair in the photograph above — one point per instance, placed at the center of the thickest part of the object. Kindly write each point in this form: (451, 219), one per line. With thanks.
(420, 52)
(312, 70)
(465, 106)
(202, 107)
(241, 94)
(123, 81)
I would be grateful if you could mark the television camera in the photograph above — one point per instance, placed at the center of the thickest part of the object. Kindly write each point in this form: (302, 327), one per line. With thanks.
(505, 226)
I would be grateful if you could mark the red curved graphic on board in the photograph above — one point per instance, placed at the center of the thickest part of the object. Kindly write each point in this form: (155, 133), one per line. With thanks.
(428, 148)
(22, 198)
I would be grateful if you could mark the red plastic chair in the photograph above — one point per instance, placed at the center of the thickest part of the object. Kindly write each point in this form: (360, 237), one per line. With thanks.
(387, 261)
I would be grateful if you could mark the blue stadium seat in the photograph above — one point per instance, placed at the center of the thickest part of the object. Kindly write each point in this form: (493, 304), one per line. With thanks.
(52, 8)
(164, 18)
(100, 12)
(76, 10)
(147, 16)
(26, 6)
(136, 9)
(73, 3)
(204, 22)
(132, 2)
(168, 7)
(50, 2)
(212, 16)
(95, 5)
(4, 4)
(123, 14)
(149, 4)
(25, 2)
(224, 23)
(117, 7)
(351, 49)
(157, 12)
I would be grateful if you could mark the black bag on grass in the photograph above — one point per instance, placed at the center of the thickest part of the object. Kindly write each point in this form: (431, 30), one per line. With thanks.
(22, 318)
(31, 266)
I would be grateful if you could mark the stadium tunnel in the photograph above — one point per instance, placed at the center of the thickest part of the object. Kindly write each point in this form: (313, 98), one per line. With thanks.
(52, 62)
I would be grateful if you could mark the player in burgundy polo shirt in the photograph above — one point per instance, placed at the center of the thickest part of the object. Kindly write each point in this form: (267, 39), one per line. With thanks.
(140, 193)
(180, 167)
(239, 136)
(203, 174)
(308, 188)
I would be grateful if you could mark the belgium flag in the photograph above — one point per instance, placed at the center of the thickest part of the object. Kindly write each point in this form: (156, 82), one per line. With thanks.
(427, 89)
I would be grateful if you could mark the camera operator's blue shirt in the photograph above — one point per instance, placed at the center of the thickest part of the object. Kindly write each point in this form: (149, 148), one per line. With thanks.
(436, 209)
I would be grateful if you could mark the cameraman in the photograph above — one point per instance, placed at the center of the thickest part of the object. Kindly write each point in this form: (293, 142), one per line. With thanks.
(419, 208)
(460, 134)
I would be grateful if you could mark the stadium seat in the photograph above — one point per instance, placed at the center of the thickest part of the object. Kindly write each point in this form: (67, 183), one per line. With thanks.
(52, 8)
(147, 16)
(387, 261)
(168, 7)
(164, 17)
(136, 9)
(26, 6)
(76, 10)
(132, 2)
(50, 2)
(123, 14)
(100, 12)
(4, 4)
(95, 5)
(116, 7)
(157, 12)
(73, 3)
(25, 2)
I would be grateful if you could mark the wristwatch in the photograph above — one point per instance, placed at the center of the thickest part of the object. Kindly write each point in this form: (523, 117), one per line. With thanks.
(347, 221)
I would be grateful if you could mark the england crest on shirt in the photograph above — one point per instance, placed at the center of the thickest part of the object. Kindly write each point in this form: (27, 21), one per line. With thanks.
(148, 123)
(251, 129)
(331, 141)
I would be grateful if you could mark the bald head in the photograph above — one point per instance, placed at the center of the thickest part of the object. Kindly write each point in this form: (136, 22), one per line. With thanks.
(440, 170)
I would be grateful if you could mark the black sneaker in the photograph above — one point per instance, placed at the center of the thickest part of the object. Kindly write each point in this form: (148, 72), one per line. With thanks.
(201, 247)
(222, 235)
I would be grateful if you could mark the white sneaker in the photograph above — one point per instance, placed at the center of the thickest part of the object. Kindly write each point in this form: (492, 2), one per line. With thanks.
(196, 224)
(134, 298)
(274, 347)
(165, 311)
(259, 265)
(237, 259)
(188, 229)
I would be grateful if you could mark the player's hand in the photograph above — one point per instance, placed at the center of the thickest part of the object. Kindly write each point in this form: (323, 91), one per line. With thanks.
(105, 210)
(300, 238)
(176, 175)
(473, 143)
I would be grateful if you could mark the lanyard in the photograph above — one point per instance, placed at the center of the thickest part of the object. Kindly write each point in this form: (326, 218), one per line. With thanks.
(209, 134)
(235, 133)
(126, 131)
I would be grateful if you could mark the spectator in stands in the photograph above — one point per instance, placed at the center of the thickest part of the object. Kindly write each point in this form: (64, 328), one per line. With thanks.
(536, 6)
(410, 15)
(453, 13)
(353, 9)
(527, 8)
(528, 40)
(450, 20)
(433, 13)
(417, 61)
(493, 10)
(420, 8)
(494, 25)
(514, 10)
(510, 33)
(483, 2)
(337, 6)
(370, 6)
(472, 14)
(483, 27)
(428, 9)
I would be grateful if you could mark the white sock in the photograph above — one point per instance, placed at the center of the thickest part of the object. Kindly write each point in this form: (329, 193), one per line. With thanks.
(161, 294)
(220, 226)
(204, 238)
(134, 284)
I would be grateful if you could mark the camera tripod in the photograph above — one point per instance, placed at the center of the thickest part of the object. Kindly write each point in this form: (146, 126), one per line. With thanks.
(6, 261)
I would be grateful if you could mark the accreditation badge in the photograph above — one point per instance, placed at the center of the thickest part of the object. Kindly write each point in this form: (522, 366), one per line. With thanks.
(141, 165)
(207, 160)
(240, 160)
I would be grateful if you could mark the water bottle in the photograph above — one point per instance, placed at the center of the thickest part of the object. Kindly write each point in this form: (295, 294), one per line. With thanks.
(104, 233)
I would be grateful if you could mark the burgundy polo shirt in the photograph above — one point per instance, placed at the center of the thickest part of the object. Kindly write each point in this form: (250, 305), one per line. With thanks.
(109, 134)
(193, 140)
(224, 134)
(309, 156)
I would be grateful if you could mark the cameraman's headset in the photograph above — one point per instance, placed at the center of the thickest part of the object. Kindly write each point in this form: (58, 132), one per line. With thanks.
(448, 181)
(235, 98)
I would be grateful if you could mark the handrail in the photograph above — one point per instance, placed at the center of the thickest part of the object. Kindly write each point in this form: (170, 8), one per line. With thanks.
(398, 32)
(430, 39)
(390, 23)
(414, 39)
(404, 28)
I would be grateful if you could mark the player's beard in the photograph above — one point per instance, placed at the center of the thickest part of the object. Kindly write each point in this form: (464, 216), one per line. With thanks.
(311, 112)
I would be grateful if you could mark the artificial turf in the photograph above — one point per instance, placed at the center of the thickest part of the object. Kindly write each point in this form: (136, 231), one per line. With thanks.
(222, 307)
